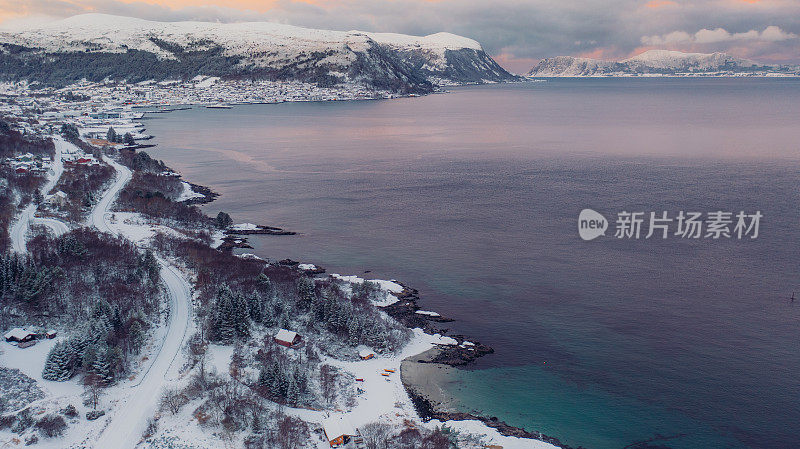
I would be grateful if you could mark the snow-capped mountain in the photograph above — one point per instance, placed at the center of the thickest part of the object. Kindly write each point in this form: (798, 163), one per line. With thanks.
(96, 46)
(659, 62)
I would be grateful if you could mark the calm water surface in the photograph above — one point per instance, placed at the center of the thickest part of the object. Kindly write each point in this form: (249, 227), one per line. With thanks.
(473, 197)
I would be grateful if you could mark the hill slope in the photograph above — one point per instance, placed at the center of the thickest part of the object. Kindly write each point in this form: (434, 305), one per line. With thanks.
(97, 46)
(659, 62)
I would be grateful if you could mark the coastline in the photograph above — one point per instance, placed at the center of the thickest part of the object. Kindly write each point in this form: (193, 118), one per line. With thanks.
(422, 374)
(422, 378)
(418, 371)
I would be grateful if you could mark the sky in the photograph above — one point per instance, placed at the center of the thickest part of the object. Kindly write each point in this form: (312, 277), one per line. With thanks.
(517, 33)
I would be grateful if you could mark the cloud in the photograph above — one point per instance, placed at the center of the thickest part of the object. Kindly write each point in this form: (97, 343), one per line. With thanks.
(655, 4)
(705, 36)
(517, 31)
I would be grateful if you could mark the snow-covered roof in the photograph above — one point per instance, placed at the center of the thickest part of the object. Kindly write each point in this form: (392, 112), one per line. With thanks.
(364, 352)
(285, 335)
(336, 426)
(17, 334)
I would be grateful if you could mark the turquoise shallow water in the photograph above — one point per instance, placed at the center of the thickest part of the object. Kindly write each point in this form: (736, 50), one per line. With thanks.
(472, 197)
(536, 397)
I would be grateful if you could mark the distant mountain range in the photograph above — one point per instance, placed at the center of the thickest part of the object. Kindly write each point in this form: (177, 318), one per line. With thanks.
(659, 63)
(99, 46)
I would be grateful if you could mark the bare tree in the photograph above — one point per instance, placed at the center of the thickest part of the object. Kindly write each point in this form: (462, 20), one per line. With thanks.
(328, 381)
(172, 400)
(93, 387)
(377, 435)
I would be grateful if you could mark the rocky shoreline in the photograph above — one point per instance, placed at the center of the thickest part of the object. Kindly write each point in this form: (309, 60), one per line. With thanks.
(405, 310)
(416, 371)
(208, 194)
(259, 229)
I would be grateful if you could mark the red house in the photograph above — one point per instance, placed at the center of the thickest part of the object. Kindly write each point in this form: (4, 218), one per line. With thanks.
(287, 338)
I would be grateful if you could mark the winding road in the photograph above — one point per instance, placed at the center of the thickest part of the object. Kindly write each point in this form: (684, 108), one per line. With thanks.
(127, 425)
(19, 229)
(128, 420)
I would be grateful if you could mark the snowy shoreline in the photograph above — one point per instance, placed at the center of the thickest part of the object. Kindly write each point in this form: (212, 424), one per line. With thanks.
(425, 341)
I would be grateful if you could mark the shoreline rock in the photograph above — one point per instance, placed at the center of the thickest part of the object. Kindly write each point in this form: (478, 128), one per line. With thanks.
(208, 194)
(260, 229)
(444, 357)
(418, 372)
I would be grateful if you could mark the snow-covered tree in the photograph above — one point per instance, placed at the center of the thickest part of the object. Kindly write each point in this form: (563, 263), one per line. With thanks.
(60, 363)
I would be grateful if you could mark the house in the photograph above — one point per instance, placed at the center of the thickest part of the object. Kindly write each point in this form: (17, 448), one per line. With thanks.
(287, 338)
(57, 199)
(19, 335)
(51, 334)
(338, 430)
(365, 354)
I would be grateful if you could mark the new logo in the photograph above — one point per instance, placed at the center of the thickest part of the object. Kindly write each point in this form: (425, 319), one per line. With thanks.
(591, 224)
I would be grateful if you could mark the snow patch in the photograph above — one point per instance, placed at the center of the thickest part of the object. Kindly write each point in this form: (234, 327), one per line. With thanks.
(188, 193)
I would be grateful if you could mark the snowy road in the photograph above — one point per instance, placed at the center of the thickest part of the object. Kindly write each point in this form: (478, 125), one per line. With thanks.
(19, 229)
(97, 218)
(126, 427)
(129, 420)
(57, 227)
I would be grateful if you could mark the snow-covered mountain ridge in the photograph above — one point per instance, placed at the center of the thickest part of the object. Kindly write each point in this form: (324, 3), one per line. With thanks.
(659, 62)
(95, 46)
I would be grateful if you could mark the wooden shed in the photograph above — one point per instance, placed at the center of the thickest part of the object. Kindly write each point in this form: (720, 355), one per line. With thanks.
(287, 338)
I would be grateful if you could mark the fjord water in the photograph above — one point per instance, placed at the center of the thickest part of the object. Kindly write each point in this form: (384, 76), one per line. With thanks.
(473, 196)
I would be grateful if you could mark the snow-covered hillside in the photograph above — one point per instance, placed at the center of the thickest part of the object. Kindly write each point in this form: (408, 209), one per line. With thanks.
(659, 62)
(94, 46)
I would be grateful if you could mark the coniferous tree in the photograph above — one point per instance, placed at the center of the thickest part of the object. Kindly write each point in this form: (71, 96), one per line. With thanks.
(254, 305)
(137, 336)
(305, 293)
(223, 220)
(241, 317)
(257, 427)
(59, 365)
(293, 392)
(101, 365)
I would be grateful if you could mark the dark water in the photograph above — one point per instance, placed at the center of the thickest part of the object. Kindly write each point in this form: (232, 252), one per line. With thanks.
(473, 198)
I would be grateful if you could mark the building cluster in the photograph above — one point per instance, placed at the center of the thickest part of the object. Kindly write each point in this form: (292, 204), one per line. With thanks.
(94, 108)
(28, 163)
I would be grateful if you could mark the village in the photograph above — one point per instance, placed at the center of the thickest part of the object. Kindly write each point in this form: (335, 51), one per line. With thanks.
(95, 107)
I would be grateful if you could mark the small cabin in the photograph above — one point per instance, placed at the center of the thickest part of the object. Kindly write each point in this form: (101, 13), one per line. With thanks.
(287, 338)
(19, 335)
(57, 199)
(365, 354)
(338, 430)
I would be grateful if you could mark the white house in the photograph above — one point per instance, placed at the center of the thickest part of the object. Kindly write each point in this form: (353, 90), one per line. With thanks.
(57, 199)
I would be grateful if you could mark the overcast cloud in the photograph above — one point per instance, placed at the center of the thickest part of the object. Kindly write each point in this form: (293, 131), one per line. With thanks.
(516, 32)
